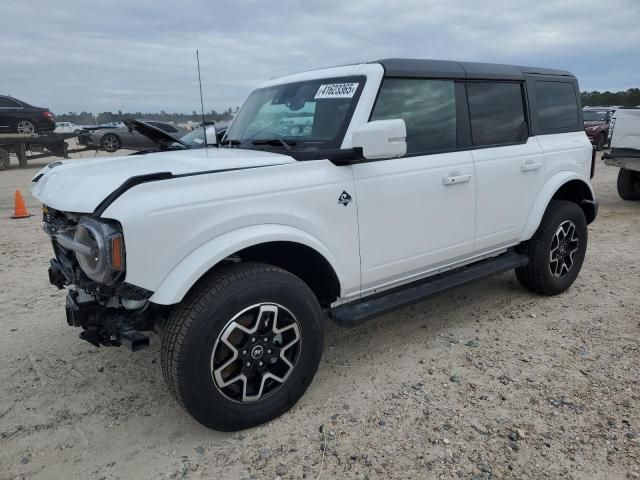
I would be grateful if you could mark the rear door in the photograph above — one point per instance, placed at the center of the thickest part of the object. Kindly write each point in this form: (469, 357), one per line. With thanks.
(509, 163)
(417, 212)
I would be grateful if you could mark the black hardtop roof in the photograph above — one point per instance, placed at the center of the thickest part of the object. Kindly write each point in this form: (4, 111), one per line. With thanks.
(407, 67)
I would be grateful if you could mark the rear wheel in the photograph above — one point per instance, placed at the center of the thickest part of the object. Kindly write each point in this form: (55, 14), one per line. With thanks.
(25, 127)
(602, 141)
(556, 251)
(628, 184)
(243, 346)
(110, 143)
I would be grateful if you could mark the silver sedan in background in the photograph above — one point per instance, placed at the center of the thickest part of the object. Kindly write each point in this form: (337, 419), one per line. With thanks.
(112, 139)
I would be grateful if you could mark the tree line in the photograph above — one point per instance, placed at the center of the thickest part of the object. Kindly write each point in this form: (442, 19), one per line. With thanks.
(628, 98)
(89, 118)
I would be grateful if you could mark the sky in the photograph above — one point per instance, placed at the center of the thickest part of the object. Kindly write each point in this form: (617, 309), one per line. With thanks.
(139, 55)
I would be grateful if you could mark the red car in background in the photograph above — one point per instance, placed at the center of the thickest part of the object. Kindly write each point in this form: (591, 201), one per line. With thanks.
(596, 125)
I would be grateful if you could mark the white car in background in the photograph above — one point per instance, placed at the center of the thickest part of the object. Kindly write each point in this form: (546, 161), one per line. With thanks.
(67, 127)
(625, 152)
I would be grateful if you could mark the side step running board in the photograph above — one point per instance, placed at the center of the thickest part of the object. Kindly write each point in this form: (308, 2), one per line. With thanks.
(355, 313)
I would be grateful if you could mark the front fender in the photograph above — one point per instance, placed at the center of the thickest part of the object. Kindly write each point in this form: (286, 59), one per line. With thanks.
(544, 197)
(184, 275)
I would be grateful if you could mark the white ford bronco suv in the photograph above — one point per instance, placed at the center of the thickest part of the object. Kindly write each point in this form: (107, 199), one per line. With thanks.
(340, 193)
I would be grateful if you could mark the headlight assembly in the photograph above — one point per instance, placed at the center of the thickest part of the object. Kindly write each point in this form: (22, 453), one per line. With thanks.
(99, 248)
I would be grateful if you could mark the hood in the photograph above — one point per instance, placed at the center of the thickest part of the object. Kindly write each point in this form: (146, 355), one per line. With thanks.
(81, 185)
(594, 124)
(153, 133)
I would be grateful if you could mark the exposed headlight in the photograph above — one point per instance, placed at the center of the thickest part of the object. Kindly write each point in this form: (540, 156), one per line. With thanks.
(102, 259)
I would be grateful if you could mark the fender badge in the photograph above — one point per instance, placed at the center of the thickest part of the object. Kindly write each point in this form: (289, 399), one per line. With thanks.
(344, 198)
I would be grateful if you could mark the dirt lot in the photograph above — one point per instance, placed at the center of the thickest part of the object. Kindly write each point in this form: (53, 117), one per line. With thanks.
(489, 381)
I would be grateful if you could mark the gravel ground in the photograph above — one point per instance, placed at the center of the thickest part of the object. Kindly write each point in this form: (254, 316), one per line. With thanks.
(489, 381)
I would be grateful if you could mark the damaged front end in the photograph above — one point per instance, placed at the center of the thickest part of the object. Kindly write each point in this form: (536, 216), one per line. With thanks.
(90, 259)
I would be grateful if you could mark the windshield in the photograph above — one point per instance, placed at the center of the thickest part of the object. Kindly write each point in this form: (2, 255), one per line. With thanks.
(595, 116)
(301, 116)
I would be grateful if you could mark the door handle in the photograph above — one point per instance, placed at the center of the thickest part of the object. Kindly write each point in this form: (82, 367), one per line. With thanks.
(530, 166)
(456, 179)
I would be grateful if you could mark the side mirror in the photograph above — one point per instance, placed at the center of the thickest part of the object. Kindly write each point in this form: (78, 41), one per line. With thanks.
(211, 135)
(381, 139)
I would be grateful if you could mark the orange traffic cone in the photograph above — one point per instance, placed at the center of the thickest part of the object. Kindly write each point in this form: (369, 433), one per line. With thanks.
(20, 208)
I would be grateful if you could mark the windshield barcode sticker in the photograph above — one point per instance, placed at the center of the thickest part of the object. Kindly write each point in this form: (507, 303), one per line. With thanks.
(337, 90)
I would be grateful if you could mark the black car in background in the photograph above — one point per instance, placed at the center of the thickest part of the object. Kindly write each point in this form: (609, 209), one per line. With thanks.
(17, 116)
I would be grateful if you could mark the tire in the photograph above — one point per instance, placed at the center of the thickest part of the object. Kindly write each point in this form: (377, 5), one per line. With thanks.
(602, 141)
(197, 334)
(5, 159)
(562, 219)
(628, 184)
(110, 143)
(25, 126)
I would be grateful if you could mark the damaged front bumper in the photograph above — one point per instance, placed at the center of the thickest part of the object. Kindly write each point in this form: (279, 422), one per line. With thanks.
(109, 316)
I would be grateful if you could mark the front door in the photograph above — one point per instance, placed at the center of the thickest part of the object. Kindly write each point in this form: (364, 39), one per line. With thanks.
(415, 213)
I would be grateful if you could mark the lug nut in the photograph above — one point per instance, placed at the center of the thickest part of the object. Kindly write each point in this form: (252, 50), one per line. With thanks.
(244, 352)
(261, 364)
(269, 352)
(253, 339)
(266, 339)
(248, 364)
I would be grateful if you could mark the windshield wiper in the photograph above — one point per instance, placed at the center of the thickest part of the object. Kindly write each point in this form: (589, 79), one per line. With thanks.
(275, 141)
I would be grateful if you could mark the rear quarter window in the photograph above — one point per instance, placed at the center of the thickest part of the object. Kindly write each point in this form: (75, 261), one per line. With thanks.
(557, 105)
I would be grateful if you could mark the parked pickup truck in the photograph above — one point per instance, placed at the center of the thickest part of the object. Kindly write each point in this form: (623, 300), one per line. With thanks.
(625, 152)
(341, 193)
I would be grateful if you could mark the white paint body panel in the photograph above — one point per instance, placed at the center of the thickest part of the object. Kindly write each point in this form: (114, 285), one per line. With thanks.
(202, 219)
(80, 185)
(626, 130)
(409, 219)
(509, 179)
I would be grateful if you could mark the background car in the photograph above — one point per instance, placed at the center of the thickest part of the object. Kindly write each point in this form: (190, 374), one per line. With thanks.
(67, 127)
(596, 126)
(165, 141)
(19, 117)
(112, 139)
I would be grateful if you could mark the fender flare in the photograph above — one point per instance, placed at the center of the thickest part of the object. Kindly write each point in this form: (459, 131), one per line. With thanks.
(545, 196)
(191, 268)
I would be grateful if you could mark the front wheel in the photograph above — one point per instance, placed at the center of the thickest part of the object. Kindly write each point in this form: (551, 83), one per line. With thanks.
(556, 251)
(243, 346)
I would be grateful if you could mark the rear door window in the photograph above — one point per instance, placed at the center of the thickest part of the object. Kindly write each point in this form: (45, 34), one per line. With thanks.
(557, 105)
(497, 113)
